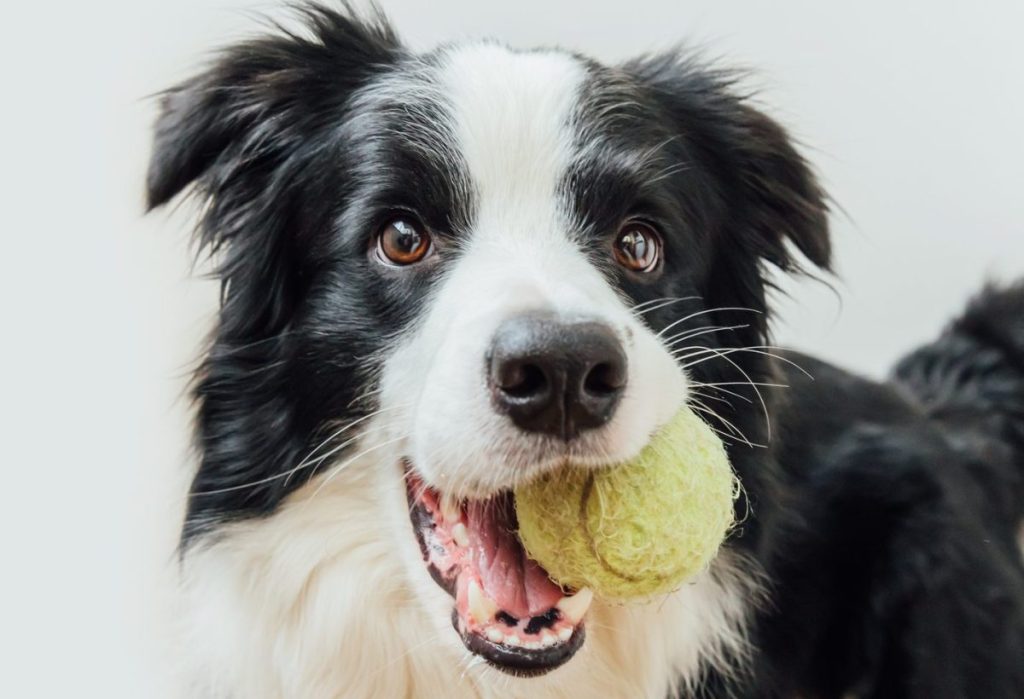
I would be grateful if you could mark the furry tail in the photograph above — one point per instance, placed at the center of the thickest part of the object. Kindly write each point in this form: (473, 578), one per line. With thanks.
(959, 585)
(972, 377)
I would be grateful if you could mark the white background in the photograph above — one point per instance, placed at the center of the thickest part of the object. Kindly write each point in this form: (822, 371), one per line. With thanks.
(911, 111)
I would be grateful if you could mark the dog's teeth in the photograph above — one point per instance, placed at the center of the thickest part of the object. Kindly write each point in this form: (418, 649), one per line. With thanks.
(494, 635)
(481, 607)
(565, 633)
(459, 535)
(450, 509)
(573, 608)
(532, 645)
(547, 639)
(512, 640)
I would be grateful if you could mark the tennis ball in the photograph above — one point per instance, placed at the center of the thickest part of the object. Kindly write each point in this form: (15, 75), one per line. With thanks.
(635, 529)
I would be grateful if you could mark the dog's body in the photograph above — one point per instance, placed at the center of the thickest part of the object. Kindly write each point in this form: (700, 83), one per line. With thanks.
(447, 273)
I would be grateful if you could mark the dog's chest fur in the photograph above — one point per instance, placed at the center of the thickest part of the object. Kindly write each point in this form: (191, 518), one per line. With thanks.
(327, 598)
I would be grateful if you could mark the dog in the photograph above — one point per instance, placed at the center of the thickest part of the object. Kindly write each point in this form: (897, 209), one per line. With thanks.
(447, 273)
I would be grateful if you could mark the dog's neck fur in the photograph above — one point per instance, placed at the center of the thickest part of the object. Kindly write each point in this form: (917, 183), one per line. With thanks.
(328, 598)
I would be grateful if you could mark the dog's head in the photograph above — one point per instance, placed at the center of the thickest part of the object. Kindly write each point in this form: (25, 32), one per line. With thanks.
(482, 262)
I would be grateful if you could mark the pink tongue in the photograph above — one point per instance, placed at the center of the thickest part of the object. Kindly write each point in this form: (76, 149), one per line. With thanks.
(519, 586)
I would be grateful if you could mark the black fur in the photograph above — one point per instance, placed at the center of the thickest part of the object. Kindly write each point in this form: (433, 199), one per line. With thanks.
(883, 514)
(266, 137)
(896, 572)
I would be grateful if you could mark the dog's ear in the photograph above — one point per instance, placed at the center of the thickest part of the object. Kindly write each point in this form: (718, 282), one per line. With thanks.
(241, 133)
(784, 198)
(769, 191)
(248, 137)
(242, 107)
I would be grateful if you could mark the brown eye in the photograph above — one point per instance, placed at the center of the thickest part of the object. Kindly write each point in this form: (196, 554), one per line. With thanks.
(637, 247)
(402, 242)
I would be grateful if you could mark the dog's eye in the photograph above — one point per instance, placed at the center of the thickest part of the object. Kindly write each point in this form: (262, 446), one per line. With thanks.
(402, 242)
(637, 247)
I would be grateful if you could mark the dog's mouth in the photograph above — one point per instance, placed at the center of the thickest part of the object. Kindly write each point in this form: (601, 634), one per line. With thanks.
(507, 610)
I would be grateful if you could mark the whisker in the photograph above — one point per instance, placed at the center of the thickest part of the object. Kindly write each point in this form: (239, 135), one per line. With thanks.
(725, 435)
(289, 472)
(724, 390)
(754, 349)
(745, 383)
(707, 396)
(750, 381)
(350, 425)
(319, 461)
(698, 313)
(344, 464)
(700, 406)
(681, 333)
(649, 302)
(664, 301)
(681, 337)
(760, 349)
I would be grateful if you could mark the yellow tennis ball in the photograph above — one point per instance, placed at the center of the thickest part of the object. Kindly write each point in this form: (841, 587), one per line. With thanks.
(635, 529)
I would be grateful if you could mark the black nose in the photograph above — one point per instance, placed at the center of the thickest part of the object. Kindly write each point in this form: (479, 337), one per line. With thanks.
(556, 377)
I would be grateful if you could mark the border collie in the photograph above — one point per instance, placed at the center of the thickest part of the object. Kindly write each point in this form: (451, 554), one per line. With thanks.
(446, 273)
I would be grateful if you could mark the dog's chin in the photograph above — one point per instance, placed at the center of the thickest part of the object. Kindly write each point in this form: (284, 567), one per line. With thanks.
(506, 609)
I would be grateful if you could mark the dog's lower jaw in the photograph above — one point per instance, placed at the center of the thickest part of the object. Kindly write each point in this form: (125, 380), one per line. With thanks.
(328, 597)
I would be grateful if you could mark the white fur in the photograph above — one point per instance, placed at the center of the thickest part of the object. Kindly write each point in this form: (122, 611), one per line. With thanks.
(329, 597)
(513, 119)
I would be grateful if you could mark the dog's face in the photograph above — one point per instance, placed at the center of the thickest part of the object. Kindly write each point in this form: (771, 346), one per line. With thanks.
(523, 352)
(484, 262)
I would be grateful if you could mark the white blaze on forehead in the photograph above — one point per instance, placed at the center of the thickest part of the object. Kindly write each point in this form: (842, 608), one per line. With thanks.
(510, 119)
(512, 114)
